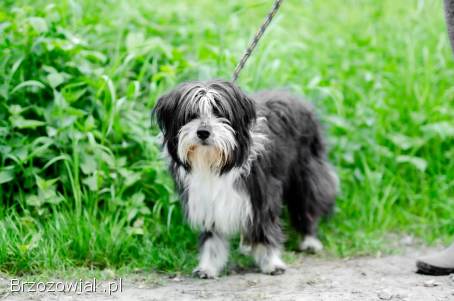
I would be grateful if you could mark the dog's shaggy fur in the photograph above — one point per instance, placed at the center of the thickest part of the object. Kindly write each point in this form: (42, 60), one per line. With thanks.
(236, 160)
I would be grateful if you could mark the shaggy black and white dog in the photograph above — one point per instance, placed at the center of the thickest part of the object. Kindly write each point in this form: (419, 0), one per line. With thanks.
(236, 160)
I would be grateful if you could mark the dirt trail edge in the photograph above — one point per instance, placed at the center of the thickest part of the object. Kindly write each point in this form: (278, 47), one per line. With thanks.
(311, 278)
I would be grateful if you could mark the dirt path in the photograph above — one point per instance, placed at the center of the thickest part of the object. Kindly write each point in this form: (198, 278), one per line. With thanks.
(386, 278)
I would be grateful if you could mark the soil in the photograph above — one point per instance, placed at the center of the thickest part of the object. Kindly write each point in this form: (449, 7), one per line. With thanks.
(309, 278)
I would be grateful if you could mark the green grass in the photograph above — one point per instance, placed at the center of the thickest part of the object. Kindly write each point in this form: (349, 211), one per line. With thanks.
(82, 184)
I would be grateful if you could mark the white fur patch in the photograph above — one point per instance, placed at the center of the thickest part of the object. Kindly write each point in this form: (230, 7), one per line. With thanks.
(268, 259)
(311, 244)
(214, 203)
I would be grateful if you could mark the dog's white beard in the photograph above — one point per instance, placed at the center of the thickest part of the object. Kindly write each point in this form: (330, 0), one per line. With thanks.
(205, 157)
(212, 156)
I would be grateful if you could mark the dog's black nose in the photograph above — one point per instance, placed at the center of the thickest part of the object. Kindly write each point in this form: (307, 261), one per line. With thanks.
(203, 134)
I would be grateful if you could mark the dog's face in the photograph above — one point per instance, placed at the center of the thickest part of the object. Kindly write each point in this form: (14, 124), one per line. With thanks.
(206, 125)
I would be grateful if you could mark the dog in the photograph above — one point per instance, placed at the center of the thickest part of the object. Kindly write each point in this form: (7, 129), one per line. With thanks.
(236, 160)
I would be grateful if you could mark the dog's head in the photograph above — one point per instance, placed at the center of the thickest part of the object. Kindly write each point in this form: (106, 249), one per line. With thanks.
(206, 125)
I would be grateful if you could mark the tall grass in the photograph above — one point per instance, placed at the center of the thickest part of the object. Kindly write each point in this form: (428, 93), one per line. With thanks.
(82, 182)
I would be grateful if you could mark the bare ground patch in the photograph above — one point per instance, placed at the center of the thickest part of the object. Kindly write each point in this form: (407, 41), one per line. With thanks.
(309, 278)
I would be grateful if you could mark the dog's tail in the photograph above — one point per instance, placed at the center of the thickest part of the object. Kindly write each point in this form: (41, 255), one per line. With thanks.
(322, 187)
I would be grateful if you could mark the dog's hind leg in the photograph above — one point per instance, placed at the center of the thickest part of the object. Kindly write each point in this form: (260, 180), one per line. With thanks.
(311, 195)
(306, 224)
(214, 252)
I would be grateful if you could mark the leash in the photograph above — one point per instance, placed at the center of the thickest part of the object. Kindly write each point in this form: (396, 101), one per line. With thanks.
(256, 39)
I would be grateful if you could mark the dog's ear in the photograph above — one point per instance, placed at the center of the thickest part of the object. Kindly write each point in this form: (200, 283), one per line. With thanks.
(247, 109)
(164, 112)
(243, 107)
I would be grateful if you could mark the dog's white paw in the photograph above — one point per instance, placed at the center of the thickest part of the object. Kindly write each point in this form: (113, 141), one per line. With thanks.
(203, 273)
(276, 270)
(272, 264)
(268, 259)
(311, 244)
(277, 267)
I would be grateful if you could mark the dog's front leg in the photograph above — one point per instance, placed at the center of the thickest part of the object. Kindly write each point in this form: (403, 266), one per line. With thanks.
(266, 241)
(268, 259)
(214, 252)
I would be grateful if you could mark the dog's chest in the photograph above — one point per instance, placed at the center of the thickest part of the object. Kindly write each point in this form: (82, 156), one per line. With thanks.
(215, 203)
